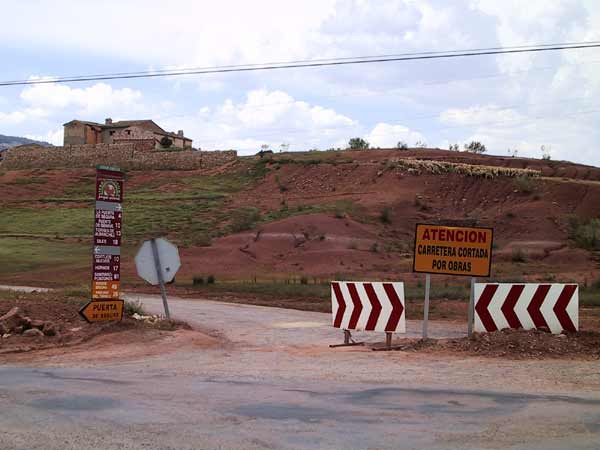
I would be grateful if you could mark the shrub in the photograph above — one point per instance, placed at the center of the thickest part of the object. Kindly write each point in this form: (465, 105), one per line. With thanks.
(420, 204)
(210, 279)
(244, 219)
(374, 247)
(524, 184)
(475, 147)
(303, 280)
(584, 234)
(401, 145)
(358, 143)
(198, 281)
(385, 216)
(131, 308)
(518, 256)
(282, 186)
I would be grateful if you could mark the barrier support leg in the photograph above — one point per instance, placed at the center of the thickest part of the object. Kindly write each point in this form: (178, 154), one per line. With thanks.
(348, 341)
(471, 313)
(388, 340)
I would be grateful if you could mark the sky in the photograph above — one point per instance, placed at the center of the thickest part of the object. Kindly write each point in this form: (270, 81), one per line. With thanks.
(510, 103)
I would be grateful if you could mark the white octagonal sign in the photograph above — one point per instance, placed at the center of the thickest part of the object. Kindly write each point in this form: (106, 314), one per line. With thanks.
(168, 256)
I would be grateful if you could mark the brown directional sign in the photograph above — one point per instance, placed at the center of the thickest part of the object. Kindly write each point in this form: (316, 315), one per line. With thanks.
(106, 262)
(453, 250)
(102, 310)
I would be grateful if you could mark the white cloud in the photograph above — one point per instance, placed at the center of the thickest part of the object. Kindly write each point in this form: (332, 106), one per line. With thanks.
(22, 116)
(385, 135)
(475, 115)
(498, 98)
(100, 97)
(270, 117)
(54, 137)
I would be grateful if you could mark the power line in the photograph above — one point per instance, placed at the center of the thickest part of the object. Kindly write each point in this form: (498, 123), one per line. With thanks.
(315, 63)
(390, 93)
(277, 63)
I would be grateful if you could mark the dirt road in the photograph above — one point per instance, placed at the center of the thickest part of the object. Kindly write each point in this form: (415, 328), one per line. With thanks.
(272, 382)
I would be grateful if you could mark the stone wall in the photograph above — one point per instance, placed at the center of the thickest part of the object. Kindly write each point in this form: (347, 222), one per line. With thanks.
(131, 155)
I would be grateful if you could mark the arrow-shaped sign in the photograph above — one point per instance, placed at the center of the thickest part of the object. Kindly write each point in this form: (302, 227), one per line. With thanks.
(482, 307)
(341, 305)
(368, 306)
(397, 307)
(102, 311)
(560, 308)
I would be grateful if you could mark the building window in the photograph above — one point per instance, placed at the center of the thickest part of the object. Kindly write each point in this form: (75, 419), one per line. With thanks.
(129, 132)
(111, 132)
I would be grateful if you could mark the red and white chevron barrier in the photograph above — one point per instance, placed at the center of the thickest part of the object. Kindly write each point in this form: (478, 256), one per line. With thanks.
(526, 306)
(368, 306)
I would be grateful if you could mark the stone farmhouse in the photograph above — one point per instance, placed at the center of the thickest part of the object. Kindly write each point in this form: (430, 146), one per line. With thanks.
(81, 132)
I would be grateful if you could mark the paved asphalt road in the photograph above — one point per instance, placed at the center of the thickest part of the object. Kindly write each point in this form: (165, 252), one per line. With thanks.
(274, 383)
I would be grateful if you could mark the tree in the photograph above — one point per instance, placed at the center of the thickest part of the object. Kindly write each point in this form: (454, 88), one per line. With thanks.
(545, 153)
(358, 143)
(475, 147)
(401, 145)
(453, 147)
(420, 144)
(166, 142)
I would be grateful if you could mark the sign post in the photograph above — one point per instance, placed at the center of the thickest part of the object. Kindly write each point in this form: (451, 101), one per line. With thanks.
(105, 304)
(471, 307)
(163, 291)
(426, 306)
(465, 251)
(157, 262)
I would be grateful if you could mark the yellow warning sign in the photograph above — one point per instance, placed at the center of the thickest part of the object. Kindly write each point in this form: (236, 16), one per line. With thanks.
(453, 250)
(102, 311)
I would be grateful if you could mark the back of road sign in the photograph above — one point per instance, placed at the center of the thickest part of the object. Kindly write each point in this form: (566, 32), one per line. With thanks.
(168, 256)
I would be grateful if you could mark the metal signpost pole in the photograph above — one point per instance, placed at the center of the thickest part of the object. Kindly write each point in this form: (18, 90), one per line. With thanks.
(426, 306)
(161, 281)
(471, 307)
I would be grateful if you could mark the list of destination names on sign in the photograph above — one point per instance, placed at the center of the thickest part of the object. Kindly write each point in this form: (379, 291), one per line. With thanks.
(107, 230)
(106, 275)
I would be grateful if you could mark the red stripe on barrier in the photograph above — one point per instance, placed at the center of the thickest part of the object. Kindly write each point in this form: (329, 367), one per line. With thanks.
(536, 303)
(482, 307)
(397, 308)
(357, 306)
(508, 308)
(560, 308)
(337, 322)
(375, 307)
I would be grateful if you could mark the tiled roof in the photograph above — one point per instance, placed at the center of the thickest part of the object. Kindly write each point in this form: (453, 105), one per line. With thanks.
(146, 123)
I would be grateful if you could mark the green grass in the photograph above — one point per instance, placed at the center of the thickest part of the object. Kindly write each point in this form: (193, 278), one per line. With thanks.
(323, 290)
(22, 255)
(309, 158)
(29, 180)
(590, 297)
(46, 221)
(339, 209)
